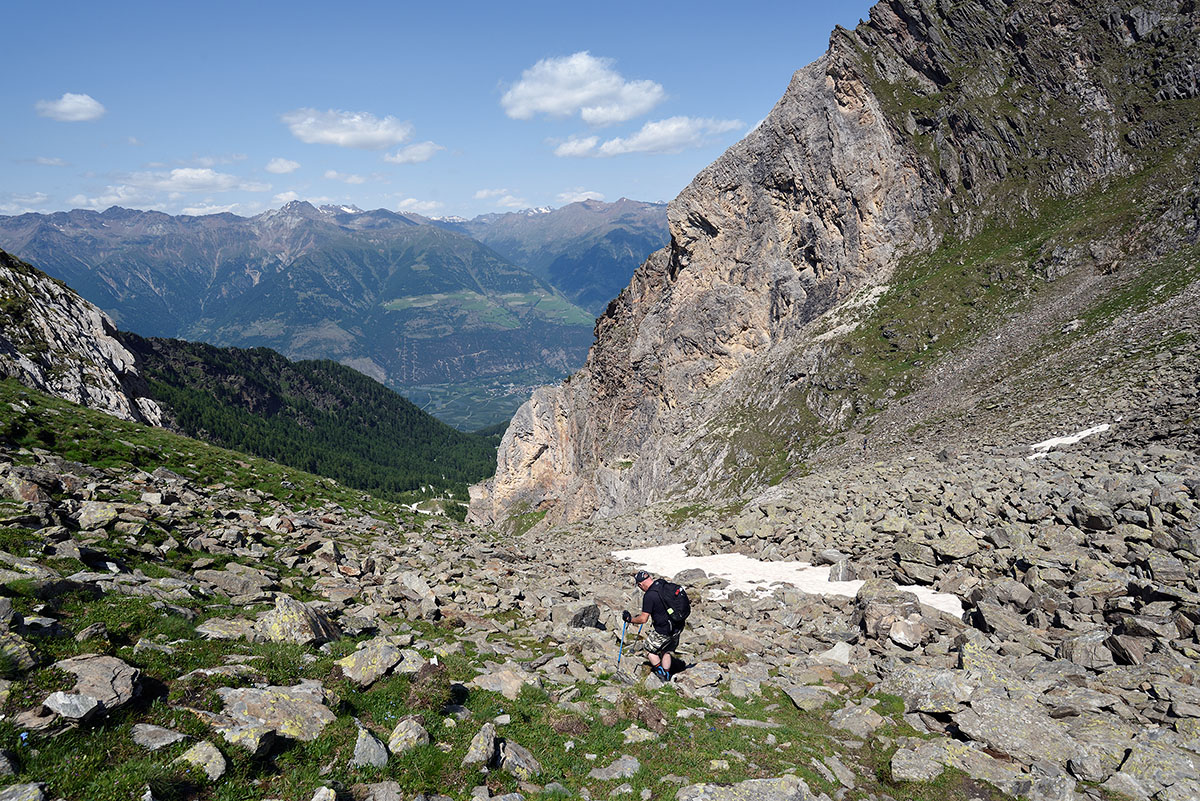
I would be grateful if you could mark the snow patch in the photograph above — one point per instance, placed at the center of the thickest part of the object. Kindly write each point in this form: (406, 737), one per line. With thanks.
(760, 578)
(1042, 449)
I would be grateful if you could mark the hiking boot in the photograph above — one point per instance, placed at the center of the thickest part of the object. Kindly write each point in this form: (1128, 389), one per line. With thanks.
(662, 674)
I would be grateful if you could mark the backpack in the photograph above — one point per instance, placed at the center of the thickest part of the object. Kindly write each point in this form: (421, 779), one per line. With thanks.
(675, 599)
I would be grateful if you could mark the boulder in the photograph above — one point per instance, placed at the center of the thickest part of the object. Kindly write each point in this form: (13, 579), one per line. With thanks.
(784, 788)
(928, 689)
(1021, 729)
(105, 678)
(205, 756)
(920, 765)
(72, 706)
(879, 604)
(153, 737)
(369, 751)
(35, 791)
(482, 749)
(297, 712)
(517, 760)
(506, 681)
(292, 621)
(623, 767)
(407, 735)
(370, 662)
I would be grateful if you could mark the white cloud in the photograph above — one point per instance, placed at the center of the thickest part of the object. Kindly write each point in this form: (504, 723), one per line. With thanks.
(50, 162)
(281, 166)
(580, 83)
(71, 108)
(213, 161)
(194, 179)
(577, 194)
(134, 141)
(346, 178)
(577, 147)
(142, 189)
(513, 202)
(484, 194)
(671, 135)
(120, 195)
(285, 197)
(414, 154)
(19, 204)
(418, 206)
(357, 129)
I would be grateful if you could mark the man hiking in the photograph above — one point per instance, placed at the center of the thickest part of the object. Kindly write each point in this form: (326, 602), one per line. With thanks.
(663, 638)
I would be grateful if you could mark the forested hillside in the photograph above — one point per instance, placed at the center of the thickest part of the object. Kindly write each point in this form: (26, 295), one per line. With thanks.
(318, 416)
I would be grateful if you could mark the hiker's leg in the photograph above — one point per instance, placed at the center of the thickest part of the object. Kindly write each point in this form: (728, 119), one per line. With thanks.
(666, 662)
(654, 659)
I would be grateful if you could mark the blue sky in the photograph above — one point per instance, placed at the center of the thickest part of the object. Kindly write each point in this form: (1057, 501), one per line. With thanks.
(436, 108)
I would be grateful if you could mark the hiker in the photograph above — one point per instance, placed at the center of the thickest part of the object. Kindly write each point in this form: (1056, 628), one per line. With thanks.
(663, 638)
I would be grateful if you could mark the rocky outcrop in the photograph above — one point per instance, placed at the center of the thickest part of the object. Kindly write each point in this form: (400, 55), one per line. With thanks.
(53, 340)
(924, 122)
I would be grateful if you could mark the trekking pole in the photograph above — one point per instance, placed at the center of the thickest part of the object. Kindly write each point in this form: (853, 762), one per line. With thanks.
(621, 652)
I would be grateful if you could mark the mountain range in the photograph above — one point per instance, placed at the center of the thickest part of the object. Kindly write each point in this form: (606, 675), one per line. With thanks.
(585, 250)
(427, 310)
(318, 416)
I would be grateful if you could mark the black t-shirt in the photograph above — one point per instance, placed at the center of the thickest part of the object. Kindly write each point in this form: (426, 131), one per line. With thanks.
(652, 603)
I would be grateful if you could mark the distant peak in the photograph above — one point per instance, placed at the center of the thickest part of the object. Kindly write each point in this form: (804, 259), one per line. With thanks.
(350, 209)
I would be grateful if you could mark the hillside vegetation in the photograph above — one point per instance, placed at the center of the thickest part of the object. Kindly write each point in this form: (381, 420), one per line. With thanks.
(317, 416)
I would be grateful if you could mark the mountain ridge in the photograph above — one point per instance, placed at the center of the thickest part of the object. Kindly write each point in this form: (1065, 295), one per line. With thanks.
(415, 306)
(752, 343)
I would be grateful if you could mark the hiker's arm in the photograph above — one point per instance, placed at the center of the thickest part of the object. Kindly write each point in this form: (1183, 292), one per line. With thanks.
(640, 618)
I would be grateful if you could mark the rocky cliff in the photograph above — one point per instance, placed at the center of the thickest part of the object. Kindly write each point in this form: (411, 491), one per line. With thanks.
(944, 170)
(53, 340)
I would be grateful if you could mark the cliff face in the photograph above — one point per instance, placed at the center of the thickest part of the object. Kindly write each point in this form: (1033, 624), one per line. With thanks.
(54, 341)
(928, 122)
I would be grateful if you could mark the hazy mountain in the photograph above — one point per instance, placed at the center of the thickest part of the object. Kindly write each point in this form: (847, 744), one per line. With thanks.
(427, 311)
(586, 250)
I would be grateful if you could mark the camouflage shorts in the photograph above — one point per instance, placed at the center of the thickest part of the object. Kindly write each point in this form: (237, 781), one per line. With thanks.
(661, 643)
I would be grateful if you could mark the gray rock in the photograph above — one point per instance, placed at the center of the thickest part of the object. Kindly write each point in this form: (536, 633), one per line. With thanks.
(292, 621)
(916, 766)
(407, 735)
(861, 721)
(153, 738)
(369, 751)
(16, 653)
(506, 681)
(205, 756)
(808, 698)
(482, 750)
(370, 663)
(105, 678)
(255, 738)
(297, 712)
(623, 767)
(784, 788)
(72, 706)
(35, 791)
(928, 689)
(518, 761)
(380, 791)
(1020, 729)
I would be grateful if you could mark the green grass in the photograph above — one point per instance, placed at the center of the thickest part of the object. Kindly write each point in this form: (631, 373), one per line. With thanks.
(91, 437)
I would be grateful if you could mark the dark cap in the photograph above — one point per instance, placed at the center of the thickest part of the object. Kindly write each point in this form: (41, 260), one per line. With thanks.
(640, 576)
